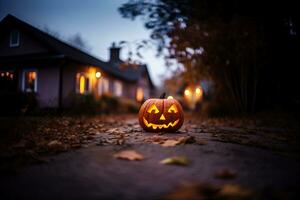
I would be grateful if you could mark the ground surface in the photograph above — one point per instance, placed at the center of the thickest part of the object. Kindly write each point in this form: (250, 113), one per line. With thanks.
(75, 158)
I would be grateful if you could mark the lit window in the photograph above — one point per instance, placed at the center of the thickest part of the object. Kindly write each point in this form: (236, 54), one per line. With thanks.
(14, 38)
(83, 83)
(30, 81)
(139, 94)
(118, 88)
(103, 86)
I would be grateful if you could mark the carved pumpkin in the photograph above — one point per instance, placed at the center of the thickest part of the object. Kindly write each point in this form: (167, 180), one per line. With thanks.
(158, 115)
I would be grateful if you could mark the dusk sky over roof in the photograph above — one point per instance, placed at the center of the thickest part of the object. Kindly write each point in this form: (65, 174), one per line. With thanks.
(97, 21)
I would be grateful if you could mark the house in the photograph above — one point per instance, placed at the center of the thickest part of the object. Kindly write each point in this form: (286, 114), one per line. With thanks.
(33, 61)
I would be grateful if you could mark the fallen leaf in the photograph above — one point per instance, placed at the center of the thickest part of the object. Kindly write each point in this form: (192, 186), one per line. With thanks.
(129, 155)
(187, 140)
(176, 160)
(225, 174)
(170, 143)
(180, 140)
(235, 191)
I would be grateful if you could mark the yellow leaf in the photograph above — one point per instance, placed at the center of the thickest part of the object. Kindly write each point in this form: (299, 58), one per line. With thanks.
(129, 155)
(176, 160)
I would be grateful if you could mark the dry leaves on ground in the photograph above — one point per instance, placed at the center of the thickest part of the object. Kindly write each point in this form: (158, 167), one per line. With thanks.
(176, 160)
(168, 140)
(170, 143)
(129, 155)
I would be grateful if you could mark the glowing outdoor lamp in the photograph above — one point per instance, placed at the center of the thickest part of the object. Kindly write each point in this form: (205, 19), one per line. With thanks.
(98, 74)
(198, 93)
(187, 92)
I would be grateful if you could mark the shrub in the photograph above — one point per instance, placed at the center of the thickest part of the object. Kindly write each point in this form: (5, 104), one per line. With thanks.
(108, 104)
(85, 104)
(17, 103)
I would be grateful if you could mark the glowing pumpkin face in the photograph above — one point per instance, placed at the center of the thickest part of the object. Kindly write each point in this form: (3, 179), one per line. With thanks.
(158, 115)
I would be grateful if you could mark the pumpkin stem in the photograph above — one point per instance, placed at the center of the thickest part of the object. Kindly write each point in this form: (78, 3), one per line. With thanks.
(163, 96)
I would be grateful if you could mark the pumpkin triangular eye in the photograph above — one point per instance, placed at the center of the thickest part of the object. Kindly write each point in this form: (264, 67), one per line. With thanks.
(153, 108)
(173, 108)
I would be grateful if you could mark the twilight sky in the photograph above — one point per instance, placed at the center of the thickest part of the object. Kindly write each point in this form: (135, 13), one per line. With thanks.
(97, 21)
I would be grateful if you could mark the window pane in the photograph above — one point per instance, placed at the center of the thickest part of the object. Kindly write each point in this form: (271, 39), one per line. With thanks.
(14, 38)
(118, 88)
(105, 85)
(81, 84)
(30, 81)
(139, 94)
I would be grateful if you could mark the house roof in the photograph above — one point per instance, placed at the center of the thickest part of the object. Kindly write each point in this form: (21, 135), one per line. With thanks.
(64, 50)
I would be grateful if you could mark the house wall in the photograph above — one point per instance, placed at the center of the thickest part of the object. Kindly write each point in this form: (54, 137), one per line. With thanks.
(145, 85)
(47, 82)
(69, 90)
(27, 45)
(129, 89)
(68, 83)
(48, 86)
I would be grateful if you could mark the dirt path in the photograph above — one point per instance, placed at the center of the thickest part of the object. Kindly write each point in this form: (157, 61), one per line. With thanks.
(93, 173)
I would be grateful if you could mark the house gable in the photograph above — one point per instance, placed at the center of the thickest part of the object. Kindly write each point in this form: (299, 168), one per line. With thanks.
(27, 43)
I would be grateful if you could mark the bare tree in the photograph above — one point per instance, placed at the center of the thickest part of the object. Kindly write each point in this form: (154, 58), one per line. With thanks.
(75, 40)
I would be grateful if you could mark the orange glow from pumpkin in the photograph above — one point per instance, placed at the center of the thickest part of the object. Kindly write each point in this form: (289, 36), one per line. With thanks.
(160, 126)
(153, 109)
(173, 109)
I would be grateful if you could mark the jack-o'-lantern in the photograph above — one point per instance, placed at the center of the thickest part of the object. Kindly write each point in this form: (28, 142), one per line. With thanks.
(157, 115)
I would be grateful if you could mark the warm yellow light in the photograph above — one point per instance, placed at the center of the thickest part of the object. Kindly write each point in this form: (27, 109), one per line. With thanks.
(187, 92)
(139, 94)
(170, 97)
(32, 75)
(198, 91)
(81, 84)
(98, 74)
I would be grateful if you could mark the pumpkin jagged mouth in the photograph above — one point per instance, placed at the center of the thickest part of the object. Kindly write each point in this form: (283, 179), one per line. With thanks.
(160, 126)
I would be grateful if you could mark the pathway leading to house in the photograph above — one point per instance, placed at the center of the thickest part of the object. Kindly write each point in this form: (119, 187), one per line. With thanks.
(219, 161)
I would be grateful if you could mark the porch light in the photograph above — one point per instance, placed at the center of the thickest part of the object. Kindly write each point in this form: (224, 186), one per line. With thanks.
(98, 74)
(199, 93)
(187, 92)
